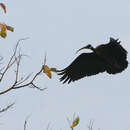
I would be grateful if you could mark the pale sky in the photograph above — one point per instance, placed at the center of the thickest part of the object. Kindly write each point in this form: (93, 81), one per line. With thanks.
(59, 28)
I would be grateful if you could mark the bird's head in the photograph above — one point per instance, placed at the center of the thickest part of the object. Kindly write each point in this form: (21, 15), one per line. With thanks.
(112, 40)
(89, 46)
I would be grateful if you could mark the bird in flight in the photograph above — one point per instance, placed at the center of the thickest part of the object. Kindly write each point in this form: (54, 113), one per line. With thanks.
(110, 58)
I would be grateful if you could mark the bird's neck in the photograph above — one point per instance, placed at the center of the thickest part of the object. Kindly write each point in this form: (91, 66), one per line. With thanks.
(93, 49)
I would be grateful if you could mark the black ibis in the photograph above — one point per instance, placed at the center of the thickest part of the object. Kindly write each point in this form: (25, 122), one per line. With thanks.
(110, 58)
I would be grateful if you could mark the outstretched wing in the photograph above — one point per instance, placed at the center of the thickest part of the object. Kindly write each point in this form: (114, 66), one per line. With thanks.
(86, 64)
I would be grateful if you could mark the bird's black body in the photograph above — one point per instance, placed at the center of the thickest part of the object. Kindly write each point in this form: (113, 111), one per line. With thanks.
(110, 57)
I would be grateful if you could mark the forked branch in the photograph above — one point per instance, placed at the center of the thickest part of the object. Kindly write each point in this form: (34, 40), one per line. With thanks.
(19, 82)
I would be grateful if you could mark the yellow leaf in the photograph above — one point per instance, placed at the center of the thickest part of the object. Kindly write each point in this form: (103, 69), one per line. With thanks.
(53, 70)
(75, 122)
(47, 71)
(10, 28)
(3, 32)
(3, 7)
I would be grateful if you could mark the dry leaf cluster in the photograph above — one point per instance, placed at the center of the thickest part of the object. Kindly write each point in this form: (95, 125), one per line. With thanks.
(47, 70)
(4, 27)
(3, 7)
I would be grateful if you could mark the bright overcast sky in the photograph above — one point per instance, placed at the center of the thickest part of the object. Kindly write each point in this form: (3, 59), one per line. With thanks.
(59, 28)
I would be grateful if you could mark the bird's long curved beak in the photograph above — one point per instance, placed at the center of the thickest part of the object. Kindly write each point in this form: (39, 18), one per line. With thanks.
(85, 47)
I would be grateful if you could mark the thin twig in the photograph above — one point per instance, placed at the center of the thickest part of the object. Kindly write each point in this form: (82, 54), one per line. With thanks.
(14, 86)
(5, 109)
(90, 126)
(29, 83)
(22, 80)
(25, 124)
(48, 126)
(34, 86)
(12, 59)
(19, 83)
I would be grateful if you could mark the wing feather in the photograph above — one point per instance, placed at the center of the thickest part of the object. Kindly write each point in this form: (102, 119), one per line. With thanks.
(86, 64)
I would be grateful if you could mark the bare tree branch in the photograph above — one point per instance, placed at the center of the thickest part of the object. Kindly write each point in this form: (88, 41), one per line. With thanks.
(23, 79)
(48, 126)
(25, 124)
(90, 126)
(12, 59)
(69, 122)
(72, 122)
(18, 85)
(19, 82)
(30, 83)
(5, 109)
